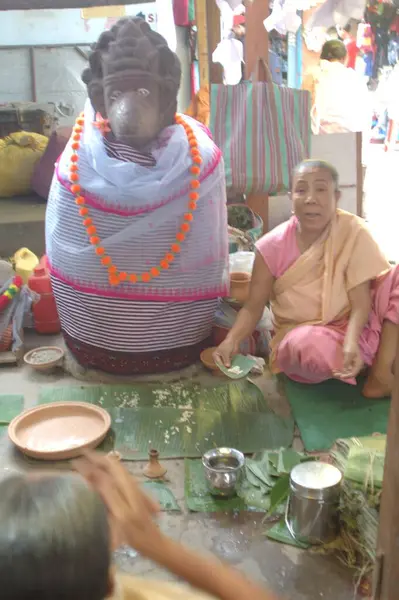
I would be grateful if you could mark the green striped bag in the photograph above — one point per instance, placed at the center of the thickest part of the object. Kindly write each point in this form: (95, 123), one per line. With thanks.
(264, 131)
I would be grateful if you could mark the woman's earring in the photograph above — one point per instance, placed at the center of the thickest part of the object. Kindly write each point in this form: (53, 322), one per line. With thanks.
(102, 124)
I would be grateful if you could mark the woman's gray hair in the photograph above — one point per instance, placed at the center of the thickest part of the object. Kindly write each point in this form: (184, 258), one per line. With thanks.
(312, 164)
(54, 539)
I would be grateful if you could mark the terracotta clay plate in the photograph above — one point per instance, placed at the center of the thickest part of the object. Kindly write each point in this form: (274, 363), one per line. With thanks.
(61, 430)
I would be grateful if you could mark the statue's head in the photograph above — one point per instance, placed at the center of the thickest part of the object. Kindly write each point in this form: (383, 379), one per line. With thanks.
(133, 80)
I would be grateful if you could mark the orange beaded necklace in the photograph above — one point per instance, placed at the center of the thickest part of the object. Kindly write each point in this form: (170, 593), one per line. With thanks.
(114, 274)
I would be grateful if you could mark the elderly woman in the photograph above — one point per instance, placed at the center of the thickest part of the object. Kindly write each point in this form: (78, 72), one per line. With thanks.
(56, 538)
(136, 225)
(340, 98)
(334, 296)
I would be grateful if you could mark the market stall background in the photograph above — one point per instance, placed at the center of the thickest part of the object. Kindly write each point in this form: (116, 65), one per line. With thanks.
(46, 51)
(36, 4)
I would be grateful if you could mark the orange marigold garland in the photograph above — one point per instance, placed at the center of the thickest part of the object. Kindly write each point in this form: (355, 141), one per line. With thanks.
(115, 276)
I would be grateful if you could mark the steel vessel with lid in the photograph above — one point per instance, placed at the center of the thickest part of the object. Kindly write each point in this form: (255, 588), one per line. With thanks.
(312, 508)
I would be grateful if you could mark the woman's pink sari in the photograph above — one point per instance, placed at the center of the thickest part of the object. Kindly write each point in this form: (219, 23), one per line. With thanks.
(310, 301)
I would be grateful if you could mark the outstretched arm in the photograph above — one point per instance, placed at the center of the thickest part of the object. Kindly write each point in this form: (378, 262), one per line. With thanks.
(132, 516)
(212, 577)
(247, 319)
(360, 301)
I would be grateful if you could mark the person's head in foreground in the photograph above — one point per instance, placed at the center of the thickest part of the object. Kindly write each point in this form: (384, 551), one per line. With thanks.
(334, 51)
(54, 540)
(315, 194)
(133, 80)
(57, 533)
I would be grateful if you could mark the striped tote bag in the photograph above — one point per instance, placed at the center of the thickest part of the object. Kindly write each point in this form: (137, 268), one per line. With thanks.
(263, 130)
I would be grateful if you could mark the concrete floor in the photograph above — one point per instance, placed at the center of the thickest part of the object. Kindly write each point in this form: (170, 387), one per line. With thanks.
(236, 538)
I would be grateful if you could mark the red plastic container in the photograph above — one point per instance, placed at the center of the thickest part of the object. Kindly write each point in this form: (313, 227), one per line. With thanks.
(45, 315)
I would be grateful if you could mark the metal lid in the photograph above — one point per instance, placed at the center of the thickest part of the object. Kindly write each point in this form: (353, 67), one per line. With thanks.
(316, 480)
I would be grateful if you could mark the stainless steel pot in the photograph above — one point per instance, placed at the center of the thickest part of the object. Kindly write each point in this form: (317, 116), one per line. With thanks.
(224, 469)
(312, 507)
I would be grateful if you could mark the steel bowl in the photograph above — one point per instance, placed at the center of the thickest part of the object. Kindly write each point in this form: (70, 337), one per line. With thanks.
(224, 469)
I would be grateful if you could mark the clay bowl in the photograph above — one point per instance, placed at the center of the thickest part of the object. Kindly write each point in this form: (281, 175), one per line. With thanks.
(239, 287)
(61, 430)
(207, 359)
(208, 362)
(41, 363)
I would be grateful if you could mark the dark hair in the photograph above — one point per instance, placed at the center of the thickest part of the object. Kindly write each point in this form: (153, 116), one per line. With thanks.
(318, 164)
(348, 28)
(333, 50)
(54, 540)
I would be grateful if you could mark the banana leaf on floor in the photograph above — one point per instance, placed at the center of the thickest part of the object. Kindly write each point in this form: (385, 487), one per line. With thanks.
(183, 419)
(190, 433)
(226, 397)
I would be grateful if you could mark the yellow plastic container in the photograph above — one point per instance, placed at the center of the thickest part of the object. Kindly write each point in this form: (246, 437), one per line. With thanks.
(25, 261)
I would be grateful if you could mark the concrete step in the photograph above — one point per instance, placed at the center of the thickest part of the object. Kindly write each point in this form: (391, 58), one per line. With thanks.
(22, 224)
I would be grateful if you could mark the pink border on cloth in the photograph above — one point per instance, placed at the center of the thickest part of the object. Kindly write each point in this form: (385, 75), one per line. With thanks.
(99, 204)
(223, 292)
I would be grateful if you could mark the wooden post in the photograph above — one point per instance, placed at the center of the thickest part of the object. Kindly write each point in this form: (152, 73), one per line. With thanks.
(386, 580)
(257, 46)
(359, 174)
(207, 17)
(201, 20)
(256, 36)
(214, 37)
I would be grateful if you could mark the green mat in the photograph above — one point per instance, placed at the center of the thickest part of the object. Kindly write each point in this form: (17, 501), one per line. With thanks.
(11, 405)
(331, 410)
(183, 421)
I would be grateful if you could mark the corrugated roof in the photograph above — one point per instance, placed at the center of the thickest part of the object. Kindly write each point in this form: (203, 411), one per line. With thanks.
(54, 4)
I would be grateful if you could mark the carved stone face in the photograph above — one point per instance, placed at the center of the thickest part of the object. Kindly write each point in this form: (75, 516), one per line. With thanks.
(133, 80)
(133, 107)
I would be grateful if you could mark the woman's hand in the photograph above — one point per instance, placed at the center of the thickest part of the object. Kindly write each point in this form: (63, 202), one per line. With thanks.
(352, 361)
(360, 300)
(226, 351)
(259, 294)
(131, 511)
